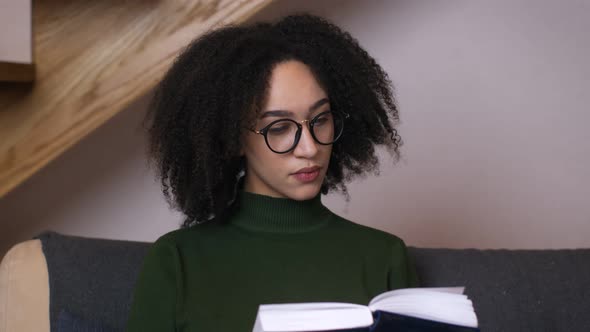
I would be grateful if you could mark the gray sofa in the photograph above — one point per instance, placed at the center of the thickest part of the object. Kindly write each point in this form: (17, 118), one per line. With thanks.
(512, 290)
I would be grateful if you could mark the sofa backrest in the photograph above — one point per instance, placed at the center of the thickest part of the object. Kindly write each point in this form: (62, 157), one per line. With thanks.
(512, 290)
(515, 290)
(92, 278)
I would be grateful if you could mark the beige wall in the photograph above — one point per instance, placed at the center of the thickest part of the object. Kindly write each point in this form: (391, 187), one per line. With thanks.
(15, 31)
(494, 116)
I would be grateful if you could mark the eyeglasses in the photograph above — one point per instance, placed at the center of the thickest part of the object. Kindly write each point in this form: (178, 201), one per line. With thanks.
(282, 135)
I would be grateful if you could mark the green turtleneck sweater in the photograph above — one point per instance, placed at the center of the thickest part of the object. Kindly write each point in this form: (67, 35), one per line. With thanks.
(212, 277)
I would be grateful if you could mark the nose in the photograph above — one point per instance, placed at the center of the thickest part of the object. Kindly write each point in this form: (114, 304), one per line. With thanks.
(306, 147)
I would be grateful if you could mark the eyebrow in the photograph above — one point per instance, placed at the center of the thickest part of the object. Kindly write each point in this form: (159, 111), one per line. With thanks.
(312, 108)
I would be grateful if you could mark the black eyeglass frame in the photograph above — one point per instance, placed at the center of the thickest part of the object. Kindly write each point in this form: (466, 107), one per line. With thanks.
(311, 123)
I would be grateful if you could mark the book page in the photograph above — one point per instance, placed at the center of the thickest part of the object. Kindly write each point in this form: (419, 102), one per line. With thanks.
(313, 316)
(446, 305)
(402, 291)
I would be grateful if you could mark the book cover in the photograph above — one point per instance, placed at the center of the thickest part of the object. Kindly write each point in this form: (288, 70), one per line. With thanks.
(390, 322)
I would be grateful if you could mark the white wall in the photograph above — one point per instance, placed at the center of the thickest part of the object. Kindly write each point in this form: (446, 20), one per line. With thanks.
(494, 118)
(15, 31)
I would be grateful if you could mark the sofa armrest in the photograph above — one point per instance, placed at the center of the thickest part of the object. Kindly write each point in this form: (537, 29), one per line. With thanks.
(24, 289)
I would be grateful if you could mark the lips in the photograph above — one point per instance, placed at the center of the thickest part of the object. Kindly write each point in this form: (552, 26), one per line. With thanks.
(307, 174)
(308, 170)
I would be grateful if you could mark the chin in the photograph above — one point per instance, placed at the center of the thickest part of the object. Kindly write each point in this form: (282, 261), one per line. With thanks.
(305, 192)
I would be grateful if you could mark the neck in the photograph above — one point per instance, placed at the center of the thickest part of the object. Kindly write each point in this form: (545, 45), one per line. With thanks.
(279, 215)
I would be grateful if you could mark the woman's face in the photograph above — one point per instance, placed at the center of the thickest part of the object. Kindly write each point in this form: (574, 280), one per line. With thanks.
(297, 95)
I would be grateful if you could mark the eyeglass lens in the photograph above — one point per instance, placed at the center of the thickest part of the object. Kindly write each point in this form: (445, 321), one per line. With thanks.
(282, 135)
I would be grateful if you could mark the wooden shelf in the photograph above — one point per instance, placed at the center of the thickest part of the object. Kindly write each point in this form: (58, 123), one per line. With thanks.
(17, 72)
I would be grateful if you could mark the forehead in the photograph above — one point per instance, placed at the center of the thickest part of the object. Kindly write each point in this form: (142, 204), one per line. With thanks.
(293, 87)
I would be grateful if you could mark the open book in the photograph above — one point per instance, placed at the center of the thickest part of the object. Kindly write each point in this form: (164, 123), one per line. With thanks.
(408, 309)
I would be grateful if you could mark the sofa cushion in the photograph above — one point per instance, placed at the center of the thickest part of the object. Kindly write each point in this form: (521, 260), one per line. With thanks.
(515, 290)
(94, 278)
(69, 322)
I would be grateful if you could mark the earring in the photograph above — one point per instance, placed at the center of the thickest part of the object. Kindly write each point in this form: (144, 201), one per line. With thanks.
(239, 178)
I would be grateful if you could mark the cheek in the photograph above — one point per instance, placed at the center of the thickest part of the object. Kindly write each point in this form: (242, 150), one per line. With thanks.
(259, 156)
(326, 152)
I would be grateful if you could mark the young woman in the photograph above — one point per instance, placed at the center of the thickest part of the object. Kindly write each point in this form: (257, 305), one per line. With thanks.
(247, 130)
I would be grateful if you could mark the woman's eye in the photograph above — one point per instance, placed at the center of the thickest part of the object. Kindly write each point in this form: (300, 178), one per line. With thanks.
(277, 130)
(322, 120)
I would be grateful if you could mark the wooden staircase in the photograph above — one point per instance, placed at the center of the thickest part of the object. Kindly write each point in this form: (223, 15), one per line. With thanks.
(92, 59)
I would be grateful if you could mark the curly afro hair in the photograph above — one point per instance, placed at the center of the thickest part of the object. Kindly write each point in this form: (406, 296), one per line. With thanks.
(217, 86)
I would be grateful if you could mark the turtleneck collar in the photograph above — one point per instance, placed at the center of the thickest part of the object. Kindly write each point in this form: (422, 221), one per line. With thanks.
(279, 215)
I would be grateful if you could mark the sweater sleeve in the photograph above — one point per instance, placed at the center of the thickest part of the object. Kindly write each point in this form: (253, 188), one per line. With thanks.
(156, 291)
(402, 273)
